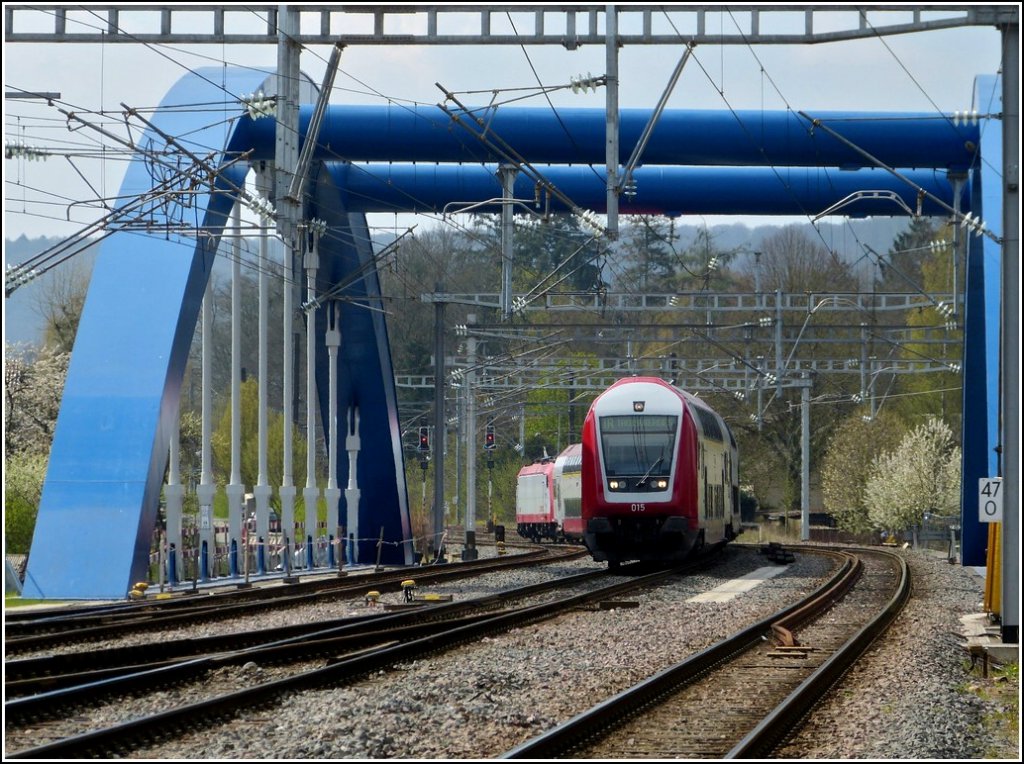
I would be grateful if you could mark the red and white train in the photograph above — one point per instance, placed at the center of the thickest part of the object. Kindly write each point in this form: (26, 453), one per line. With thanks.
(548, 498)
(660, 474)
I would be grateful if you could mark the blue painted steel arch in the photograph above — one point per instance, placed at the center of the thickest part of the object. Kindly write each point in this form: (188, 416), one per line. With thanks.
(101, 493)
(109, 452)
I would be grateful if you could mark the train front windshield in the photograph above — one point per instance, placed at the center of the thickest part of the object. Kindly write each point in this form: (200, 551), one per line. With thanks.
(638, 446)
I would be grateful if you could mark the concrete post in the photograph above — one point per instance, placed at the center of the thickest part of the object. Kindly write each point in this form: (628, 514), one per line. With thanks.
(439, 424)
(611, 88)
(470, 552)
(1010, 383)
(507, 175)
(261, 491)
(174, 493)
(311, 493)
(332, 493)
(234, 489)
(287, 491)
(805, 460)
(352, 445)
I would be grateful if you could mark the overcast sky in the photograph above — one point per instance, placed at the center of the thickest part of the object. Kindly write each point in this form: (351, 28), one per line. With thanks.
(924, 72)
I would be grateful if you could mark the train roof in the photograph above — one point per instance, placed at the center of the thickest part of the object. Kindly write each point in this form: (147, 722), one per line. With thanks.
(710, 421)
(539, 467)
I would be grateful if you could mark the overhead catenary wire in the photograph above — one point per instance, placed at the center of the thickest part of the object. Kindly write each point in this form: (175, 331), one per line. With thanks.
(789, 107)
(541, 283)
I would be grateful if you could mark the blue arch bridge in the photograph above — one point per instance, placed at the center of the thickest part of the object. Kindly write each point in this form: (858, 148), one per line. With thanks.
(110, 450)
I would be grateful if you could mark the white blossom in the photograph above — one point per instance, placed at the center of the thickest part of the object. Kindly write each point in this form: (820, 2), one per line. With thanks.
(921, 475)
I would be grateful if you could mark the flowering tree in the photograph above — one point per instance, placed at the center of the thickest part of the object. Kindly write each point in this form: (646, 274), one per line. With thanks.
(848, 464)
(23, 487)
(33, 384)
(921, 475)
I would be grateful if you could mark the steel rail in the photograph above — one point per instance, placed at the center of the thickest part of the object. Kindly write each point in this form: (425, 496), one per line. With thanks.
(158, 726)
(616, 709)
(58, 615)
(21, 637)
(67, 670)
(774, 728)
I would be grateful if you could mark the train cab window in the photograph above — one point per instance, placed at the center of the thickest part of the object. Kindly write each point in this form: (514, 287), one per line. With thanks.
(638, 446)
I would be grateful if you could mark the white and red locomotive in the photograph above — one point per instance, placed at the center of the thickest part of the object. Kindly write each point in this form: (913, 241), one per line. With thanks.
(660, 474)
(548, 498)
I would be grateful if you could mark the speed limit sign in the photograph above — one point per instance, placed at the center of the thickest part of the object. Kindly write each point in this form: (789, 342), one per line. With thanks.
(990, 500)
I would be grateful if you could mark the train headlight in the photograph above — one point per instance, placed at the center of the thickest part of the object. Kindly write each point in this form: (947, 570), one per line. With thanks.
(661, 484)
(614, 484)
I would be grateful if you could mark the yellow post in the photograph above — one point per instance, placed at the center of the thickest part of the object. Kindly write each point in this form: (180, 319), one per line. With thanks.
(993, 569)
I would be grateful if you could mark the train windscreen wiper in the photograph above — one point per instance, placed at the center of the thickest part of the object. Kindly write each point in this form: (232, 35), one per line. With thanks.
(647, 474)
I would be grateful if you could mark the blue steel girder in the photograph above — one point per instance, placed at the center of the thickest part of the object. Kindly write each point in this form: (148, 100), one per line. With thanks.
(659, 190)
(982, 320)
(681, 137)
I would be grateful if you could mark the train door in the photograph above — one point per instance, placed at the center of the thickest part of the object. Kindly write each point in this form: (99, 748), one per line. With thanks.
(713, 501)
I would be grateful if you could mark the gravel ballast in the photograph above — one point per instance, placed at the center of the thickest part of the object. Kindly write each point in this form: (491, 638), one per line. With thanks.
(906, 700)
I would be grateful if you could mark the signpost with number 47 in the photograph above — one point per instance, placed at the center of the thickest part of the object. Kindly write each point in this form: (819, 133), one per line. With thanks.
(990, 500)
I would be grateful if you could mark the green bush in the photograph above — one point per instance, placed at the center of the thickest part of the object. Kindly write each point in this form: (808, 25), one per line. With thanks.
(23, 483)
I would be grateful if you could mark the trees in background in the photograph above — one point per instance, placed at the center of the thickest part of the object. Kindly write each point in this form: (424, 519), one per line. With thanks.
(901, 268)
(921, 475)
(879, 475)
(887, 473)
(23, 488)
(249, 454)
(937, 394)
(792, 261)
(848, 464)
(60, 304)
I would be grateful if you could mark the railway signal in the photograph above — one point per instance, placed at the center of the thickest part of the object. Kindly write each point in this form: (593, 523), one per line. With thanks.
(489, 438)
(424, 449)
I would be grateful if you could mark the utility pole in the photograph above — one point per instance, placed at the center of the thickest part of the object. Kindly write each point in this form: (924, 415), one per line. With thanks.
(470, 551)
(1010, 419)
(439, 422)
(805, 460)
(611, 47)
(507, 174)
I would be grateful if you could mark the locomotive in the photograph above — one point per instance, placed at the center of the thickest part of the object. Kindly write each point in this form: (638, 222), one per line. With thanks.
(548, 498)
(660, 474)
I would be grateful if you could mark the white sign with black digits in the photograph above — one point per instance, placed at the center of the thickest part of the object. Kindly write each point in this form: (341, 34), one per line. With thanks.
(990, 500)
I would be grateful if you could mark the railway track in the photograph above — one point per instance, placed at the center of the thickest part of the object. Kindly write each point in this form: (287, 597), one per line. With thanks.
(741, 697)
(48, 684)
(342, 666)
(42, 630)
